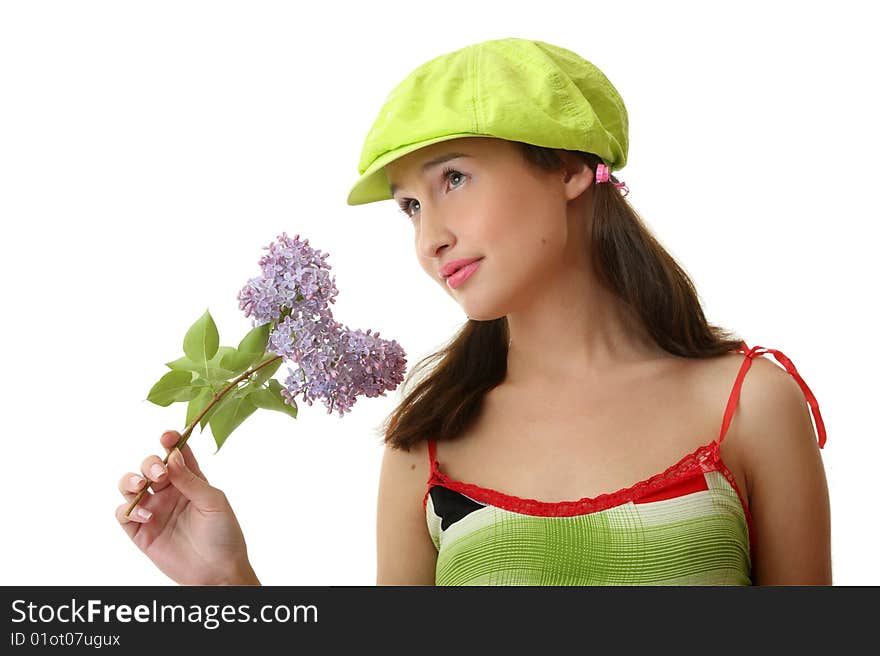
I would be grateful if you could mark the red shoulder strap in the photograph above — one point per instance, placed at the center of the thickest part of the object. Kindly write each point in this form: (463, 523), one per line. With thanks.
(433, 474)
(750, 353)
(432, 459)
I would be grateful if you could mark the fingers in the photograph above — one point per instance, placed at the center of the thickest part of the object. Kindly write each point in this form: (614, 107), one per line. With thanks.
(132, 523)
(188, 475)
(131, 484)
(129, 488)
(194, 488)
(139, 514)
(153, 468)
(169, 440)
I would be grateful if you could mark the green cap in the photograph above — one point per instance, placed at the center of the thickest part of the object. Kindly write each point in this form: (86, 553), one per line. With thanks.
(514, 89)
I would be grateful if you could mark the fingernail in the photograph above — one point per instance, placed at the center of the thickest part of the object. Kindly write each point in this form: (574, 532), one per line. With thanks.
(157, 471)
(143, 513)
(136, 481)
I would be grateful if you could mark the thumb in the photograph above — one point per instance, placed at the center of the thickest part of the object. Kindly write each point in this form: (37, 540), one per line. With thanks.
(194, 488)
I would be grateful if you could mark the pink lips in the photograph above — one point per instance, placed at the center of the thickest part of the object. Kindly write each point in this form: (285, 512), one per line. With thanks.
(451, 267)
(458, 278)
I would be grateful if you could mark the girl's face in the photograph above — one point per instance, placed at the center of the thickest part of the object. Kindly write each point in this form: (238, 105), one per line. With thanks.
(489, 203)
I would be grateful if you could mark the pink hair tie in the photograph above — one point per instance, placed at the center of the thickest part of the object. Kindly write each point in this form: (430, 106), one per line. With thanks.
(603, 174)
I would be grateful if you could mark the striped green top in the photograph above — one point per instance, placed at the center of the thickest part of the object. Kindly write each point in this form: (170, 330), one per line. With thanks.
(687, 525)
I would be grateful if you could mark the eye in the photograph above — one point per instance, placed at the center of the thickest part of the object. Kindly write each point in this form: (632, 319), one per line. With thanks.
(403, 203)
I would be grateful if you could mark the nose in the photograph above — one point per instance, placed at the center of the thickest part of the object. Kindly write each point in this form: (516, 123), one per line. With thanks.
(432, 235)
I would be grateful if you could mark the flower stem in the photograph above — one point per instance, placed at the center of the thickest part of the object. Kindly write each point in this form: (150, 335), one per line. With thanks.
(189, 429)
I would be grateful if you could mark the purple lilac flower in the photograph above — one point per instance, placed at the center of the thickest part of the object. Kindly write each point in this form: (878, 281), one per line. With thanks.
(333, 371)
(294, 275)
(336, 364)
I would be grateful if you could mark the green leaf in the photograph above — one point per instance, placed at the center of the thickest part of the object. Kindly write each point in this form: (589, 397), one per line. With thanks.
(270, 399)
(229, 417)
(185, 364)
(236, 362)
(211, 370)
(182, 364)
(173, 386)
(251, 347)
(197, 404)
(202, 339)
(266, 372)
(254, 343)
(222, 351)
(218, 372)
(207, 370)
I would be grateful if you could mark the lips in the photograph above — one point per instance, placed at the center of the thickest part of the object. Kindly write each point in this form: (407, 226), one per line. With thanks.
(457, 279)
(451, 267)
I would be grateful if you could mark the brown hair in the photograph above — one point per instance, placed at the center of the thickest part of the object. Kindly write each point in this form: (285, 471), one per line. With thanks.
(628, 260)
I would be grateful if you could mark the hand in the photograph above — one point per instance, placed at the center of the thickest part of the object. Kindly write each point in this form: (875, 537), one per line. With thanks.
(192, 534)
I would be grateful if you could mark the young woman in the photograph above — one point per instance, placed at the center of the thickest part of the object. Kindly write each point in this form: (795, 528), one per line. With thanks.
(578, 430)
(587, 426)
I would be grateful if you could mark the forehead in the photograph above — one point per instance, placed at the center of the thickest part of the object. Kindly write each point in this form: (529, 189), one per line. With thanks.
(415, 164)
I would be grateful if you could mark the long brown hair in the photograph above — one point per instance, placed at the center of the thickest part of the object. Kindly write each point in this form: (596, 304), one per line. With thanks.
(628, 260)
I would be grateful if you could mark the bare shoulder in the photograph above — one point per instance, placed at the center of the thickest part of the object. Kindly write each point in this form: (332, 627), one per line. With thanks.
(405, 552)
(403, 478)
(769, 398)
(787, 486)
(412, 465)
(773, 414)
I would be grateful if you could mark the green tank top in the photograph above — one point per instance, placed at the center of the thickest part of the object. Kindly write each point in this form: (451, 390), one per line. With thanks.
(687, 525)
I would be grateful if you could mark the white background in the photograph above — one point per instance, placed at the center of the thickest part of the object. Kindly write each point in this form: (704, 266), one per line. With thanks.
(148, 151)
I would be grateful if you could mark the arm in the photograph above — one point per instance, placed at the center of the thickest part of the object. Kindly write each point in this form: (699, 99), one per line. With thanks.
(788, 492)
(405, 552)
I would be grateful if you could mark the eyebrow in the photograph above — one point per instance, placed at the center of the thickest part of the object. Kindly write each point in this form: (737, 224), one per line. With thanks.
(433, 162)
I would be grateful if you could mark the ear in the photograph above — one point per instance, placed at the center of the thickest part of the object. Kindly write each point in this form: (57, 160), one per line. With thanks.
(576, 175)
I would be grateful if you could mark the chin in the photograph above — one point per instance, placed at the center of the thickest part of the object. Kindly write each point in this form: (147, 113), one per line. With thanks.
(484, 311)
(482, 302)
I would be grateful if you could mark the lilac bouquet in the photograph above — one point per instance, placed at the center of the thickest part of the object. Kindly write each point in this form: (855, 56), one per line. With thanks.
(290, 308)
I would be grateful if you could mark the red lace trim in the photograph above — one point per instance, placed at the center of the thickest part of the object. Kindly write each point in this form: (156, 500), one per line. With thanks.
(702, 459)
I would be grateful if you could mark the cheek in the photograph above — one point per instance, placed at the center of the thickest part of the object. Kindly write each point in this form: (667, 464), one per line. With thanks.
(536, 249)
(529, 209)
(495, 220)
(521, 257)
(524, 231)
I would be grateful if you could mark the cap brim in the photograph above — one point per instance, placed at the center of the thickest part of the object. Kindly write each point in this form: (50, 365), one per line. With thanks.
(373, 184)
